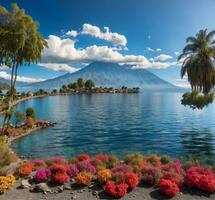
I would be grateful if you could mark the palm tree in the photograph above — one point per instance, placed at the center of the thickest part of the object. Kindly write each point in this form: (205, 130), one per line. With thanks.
(198, 61)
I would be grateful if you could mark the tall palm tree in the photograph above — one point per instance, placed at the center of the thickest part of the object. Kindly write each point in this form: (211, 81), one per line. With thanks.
(198, 61)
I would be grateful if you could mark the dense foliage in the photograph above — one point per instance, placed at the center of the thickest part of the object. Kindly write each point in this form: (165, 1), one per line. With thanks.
(198, 65)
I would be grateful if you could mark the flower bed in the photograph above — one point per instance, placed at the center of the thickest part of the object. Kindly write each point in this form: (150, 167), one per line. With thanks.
(120, 177)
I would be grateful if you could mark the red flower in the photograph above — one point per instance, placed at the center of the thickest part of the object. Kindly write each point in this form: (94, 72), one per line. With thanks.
(83, 157)
(115, 190)
(60, 178)
(58, 168)
(168, 188)
(200, 178)
(131, 179)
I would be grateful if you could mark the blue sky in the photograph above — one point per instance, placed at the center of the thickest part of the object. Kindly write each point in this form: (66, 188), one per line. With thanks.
(145, 33)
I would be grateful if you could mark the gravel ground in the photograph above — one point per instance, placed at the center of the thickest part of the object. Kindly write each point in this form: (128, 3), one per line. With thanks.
(140, 193)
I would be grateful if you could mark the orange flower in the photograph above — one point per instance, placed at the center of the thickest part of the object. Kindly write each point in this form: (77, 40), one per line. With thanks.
(104, 175)
(84, 178)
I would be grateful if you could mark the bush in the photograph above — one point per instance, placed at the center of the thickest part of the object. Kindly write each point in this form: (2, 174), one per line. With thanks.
(131, 179)
(30, 112)
(134, 159)
(72, 170)
(84, 178)
(104, 175)
(86, 166)
(6, 155)
(200, 178)
(6, 182)
(25, 169)
(42, 175)
(116, 190)
(168, 188)
(60, 178)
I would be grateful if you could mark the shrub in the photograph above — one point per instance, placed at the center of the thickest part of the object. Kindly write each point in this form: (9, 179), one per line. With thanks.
(151, 174)
(6, 182)
(166, 160)
(6, 156)
(30, 112)
(134, 159)
(25, 169)
(168, 188)
(116, 191)
(57, 168)
(60, 178)
(103, 161)
(154, 160)
(39, 164)
(72, 170)
(42, 175)
(55, 160)
(30, 122)
(119, 170)
(86, 166)
(83, 157)
(200, 178)
(131, 179)
(84, 178)
(104, 175)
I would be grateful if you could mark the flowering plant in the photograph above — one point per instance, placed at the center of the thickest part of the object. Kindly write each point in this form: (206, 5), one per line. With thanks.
(60, 178)
(86, 166)
(56, 160)
(119, 170)
(131, 179)
(72, 170)
(83, 157)
(104, 175)
(116, 190)
(84, 178)
(6, 182)
(201, 178)
(42, 175)
(25, 169)
(168, 188)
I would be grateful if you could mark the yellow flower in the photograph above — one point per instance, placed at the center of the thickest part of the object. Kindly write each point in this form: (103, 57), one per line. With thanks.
(6, 182)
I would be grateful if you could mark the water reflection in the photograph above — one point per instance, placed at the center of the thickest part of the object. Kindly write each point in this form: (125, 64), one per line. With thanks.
(198, 145)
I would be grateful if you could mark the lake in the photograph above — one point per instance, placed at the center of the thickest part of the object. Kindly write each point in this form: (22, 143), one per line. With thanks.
(149, 122)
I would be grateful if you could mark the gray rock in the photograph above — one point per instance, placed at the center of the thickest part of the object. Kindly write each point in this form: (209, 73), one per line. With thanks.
(60, 188)
(74, 197)
(25, 184)
(67, 186)
(42, 187)
(95, 193)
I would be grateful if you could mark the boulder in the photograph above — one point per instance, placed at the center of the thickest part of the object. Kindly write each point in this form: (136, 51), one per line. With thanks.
(41, 187)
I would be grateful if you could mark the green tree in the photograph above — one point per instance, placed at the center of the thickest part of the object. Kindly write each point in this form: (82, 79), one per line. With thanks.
(73, 86)
(197, 63)
(20, 117)
(21, 44)
(64, 87)
(30, 112)
(89, 84)
(80, 83)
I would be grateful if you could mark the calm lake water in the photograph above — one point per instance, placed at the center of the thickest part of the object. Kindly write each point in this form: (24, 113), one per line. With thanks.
(119, 124)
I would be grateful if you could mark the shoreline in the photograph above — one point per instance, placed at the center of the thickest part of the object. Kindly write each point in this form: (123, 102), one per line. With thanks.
(22, 100)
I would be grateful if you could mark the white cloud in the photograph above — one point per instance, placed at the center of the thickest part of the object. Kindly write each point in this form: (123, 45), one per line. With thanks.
(162, 57)
(4, 67)
(152, 50)
(72, 33)
(59, 67)
(7, 76)
(115, 38)
(149, 49)
(63, 51)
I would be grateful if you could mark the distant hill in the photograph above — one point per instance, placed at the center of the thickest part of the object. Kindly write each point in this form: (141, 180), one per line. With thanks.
(110, 75)
(18, 83)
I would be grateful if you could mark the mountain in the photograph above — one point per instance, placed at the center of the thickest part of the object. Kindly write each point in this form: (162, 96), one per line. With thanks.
(18, 83)
(109, 74)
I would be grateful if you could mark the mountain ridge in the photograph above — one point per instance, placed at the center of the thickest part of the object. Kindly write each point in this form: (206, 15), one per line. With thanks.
(109, 75)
